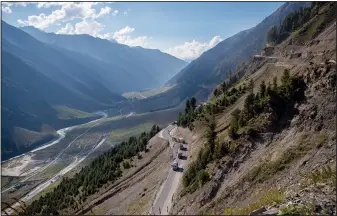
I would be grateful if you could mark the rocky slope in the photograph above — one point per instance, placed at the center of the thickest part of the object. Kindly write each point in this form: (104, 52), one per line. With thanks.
(287, 167)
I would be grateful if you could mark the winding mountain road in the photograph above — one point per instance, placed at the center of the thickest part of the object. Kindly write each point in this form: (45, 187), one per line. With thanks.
(163, 201)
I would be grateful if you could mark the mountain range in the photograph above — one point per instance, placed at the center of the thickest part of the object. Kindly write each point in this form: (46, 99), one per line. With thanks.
(215, 65)
(44, 71)
(127, 68)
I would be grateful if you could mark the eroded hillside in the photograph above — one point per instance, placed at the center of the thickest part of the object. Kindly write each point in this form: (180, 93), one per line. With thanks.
(274, 149)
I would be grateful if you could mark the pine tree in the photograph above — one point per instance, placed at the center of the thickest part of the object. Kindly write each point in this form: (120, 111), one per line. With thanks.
(193, 103)
(285, 77)
(249, 105)
(224, 87)
(187, 106)
(262, 89)
(251, 85)
(275, 84)
(215, 92)
(269, 89)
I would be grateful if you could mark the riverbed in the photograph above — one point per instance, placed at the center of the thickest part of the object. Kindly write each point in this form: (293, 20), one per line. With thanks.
(16, 166)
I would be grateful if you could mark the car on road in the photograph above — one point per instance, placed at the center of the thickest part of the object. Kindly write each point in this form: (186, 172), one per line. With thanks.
(175, 165)
(180, 154)
(181, 146)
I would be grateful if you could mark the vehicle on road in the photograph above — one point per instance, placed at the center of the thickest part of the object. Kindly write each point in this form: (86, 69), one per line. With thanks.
(19, 185)
(181, 147)
(175, 165)
(180, 154)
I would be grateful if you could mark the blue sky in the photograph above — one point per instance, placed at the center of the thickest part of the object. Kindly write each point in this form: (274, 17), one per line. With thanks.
(183, 29)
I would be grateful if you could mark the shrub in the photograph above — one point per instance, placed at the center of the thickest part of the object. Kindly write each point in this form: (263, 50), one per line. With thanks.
(221, 149)
(265, 198)
(297, 209)
(327, 174)
(126, 165)
(202, 177)
(190, 174)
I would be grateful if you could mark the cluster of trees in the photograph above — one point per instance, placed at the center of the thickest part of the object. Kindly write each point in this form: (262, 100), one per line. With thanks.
(196, 175)
(105, 168)
(271, 98)
(188, 117)
(162, 108)
(224, 97)
(293, 22)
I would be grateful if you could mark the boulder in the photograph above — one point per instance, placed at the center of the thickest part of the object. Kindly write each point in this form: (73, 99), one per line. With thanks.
(272, 211)
(258, 211)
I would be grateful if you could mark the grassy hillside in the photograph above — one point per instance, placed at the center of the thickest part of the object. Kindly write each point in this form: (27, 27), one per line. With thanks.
(145, 94)
(64, 112)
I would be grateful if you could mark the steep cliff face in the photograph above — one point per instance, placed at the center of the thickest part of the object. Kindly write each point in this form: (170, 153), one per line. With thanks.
(275, 166)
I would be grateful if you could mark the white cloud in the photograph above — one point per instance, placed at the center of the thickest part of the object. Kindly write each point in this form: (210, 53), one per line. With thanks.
(192, 50)
(115, 12)
(49, 4)
(125, 13)
(42, 21)
(23, 4)
(104, 11)
(90, 27)
(124, 31)
(6, 9)
(6, 6)
(68, 29)
(123, 37)
(68, 11)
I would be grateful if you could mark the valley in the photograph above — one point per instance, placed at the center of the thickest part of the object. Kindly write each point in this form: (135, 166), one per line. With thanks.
(45, 166)
(246, 128)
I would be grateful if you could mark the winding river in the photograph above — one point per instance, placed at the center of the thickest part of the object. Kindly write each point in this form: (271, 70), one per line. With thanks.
(61, 135)
(77, 161)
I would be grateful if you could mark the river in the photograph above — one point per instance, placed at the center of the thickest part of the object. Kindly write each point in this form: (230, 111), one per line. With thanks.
(61, 135)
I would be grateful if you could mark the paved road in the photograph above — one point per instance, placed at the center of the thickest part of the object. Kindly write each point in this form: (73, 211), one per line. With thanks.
(163, 201)
(267, 57)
